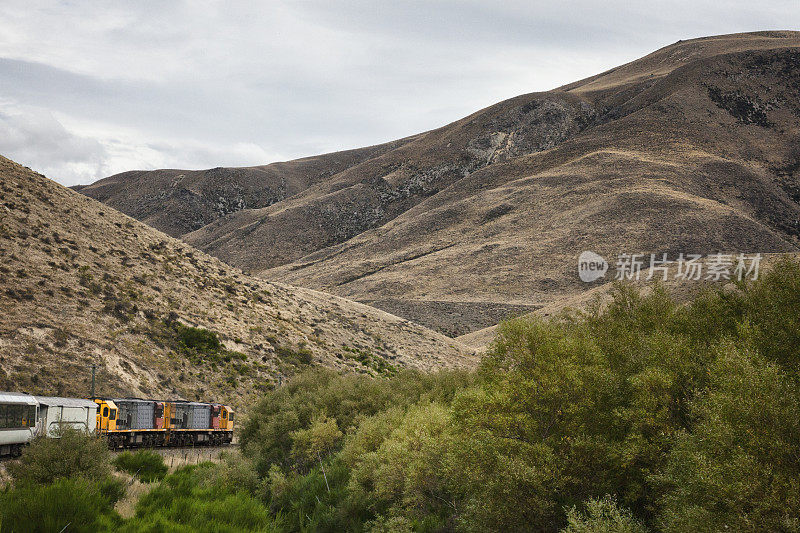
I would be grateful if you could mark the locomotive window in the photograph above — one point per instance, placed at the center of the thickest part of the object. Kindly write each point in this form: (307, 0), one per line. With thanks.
(105, 411)
(113, 414)
(230, 417)
(224, 415)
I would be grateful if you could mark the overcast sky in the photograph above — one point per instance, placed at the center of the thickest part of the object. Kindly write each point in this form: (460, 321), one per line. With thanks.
(89, 89)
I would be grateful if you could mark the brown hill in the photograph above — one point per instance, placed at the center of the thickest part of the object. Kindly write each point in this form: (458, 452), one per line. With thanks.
(83, 284)
(601, 294)
(180, 201)
(692, 148)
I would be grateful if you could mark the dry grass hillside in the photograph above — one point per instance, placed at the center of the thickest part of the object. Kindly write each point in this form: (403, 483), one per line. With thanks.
(180, 201)
(693, 148)
(600, 295)
(81, 283)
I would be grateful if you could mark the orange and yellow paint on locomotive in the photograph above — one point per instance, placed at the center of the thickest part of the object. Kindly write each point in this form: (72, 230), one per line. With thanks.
(133, 422)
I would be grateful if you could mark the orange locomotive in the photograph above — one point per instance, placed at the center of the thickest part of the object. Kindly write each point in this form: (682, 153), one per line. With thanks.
(134, 422)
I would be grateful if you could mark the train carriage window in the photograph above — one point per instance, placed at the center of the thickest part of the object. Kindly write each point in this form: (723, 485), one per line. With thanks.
(3, 412)
(105, 412)
(14, 416)
(29, 419)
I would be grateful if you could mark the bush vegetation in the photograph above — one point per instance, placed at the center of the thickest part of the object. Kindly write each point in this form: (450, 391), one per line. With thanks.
(194, 499)
(61, 483)
(643, 415)
(299, 357)
(197, 339)
(74, 454)
(67, 504)
(146, 465)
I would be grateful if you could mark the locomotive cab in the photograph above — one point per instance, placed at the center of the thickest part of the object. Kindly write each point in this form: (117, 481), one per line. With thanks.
(106, 415)
(226, 418)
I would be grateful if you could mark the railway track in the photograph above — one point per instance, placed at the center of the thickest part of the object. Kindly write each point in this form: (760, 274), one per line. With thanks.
(188, 454)
(177, 457)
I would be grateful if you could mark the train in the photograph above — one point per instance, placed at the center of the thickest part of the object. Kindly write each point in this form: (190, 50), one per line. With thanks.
(121, 422)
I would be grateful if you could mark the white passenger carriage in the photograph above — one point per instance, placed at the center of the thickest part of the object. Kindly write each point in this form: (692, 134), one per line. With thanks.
(18, 421)
(56, 414)
(24, 417)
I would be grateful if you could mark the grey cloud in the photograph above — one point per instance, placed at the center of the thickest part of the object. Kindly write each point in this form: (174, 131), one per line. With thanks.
(35, 136)
(225, 83)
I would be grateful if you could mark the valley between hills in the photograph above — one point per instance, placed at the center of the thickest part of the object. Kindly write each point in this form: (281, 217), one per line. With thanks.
(83, 284)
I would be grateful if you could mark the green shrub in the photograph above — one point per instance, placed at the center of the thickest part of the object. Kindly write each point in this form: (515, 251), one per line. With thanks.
(64, 505)
(316, 501)
(318, 440)
(199, 345)
(199, 339)
(192, 500)
(267, 435)
(737, 469)
(299, 357)
(146, 465)
(403, 471)
(74, 454)
(602, 516)
(237, 473)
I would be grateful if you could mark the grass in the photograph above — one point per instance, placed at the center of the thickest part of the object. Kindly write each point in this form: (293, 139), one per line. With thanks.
(190, 500)
(146, 465)
(65, 505)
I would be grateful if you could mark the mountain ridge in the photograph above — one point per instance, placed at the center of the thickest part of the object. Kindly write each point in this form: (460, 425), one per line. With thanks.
(690, 148)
